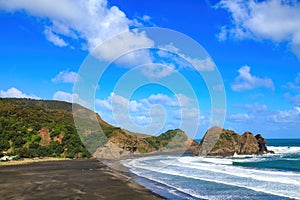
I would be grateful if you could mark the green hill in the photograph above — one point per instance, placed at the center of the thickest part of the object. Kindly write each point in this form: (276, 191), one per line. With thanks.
(36, 128)
(45, 128)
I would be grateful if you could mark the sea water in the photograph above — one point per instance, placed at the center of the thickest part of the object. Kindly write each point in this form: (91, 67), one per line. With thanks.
(271, 176)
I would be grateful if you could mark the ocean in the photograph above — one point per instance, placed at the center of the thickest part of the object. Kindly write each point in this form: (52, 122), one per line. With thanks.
(271, 176)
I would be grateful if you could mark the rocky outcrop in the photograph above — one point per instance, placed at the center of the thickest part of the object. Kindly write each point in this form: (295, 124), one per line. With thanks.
(122, 143)
(45, 137)
(209, 140)
(221, 142)
(130, 143)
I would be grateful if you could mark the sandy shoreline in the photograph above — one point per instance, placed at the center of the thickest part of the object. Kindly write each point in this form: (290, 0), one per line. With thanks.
(67, 179)
(30, 160)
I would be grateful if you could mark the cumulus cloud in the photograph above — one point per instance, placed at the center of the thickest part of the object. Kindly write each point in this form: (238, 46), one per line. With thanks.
(162, 99)
(91, 23)
(119, 103)
(149, 114)
(274, 20)
(65, 76)
(123, 45)
(15, 93)
(94, 22)
(131, 114)
(88, 21)
(286, 116)
(246, 81)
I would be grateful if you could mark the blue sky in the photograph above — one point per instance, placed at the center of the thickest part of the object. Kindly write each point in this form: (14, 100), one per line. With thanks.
(255, 46)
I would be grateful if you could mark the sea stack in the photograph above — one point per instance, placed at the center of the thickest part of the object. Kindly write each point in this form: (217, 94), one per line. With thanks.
(221, 142)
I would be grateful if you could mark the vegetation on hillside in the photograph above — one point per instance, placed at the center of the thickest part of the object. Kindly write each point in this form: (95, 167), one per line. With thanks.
(31, 128)
(41, 128)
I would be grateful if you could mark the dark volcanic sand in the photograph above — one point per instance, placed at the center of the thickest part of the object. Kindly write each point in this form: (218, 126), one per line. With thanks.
(68, 179)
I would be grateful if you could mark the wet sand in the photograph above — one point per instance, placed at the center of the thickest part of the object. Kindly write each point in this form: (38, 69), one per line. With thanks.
(68, 179)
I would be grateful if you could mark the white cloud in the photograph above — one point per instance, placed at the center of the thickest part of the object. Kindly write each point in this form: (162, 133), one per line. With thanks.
(148, 115)
(286, 116)
(201, 64)
(63, 96)
(146, 18)
(142, 120)
(123, 46)
(184, 101)
(260, 114)
(157, 71)
(247, 81)
(258, 118)
(274, 20)
(104, 105)
(162, 99)
(239, 117)
(119, 103)
(256, 108)
(55, 39)
(72, 98)
(295, 99)
(190, 113)
(15, 93)
(95, 22)
(295, 85)
(222, 35)
(91, 21)
(65, 76)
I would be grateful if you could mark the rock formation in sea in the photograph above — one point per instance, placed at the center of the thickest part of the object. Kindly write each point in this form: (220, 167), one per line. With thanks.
(221, 142)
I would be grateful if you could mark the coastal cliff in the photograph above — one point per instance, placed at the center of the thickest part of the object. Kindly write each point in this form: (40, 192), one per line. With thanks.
(222, 142)
(41, 128)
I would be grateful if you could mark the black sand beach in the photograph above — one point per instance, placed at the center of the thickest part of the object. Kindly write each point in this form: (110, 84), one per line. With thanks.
(68, 179)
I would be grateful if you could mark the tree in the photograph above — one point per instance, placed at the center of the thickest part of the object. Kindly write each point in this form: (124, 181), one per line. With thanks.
(55, 148)
(4, 145)
(25, 153)
(19, 141)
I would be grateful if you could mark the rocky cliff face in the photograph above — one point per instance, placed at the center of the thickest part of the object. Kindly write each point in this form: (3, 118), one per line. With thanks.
(221, 142)
(123, 143)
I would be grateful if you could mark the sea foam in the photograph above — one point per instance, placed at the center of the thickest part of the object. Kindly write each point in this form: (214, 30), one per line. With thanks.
(221, 171)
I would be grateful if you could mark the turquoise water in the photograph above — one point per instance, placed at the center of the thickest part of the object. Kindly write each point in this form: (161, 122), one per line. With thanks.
(275, 176)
